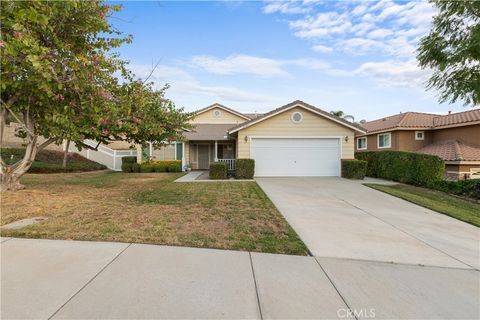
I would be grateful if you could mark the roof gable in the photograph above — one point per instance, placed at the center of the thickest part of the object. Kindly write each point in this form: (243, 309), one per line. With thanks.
(300, 104)
(218, 105)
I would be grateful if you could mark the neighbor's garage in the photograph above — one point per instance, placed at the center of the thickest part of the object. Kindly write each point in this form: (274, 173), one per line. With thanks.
(296, 140)
(296, 157)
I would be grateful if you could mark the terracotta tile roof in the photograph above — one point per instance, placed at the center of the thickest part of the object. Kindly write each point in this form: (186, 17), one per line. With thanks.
(208, 132)
(402, 120)
(456, 118)
(410, 120)
(300, 103)
(453, 150)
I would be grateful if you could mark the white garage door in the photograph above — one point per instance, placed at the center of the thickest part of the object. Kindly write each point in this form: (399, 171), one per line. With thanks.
(296, 157)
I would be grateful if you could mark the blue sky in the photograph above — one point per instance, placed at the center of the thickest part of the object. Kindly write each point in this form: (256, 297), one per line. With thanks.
(354, 56)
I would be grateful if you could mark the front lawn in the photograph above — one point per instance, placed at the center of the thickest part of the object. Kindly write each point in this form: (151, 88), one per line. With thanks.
(50, 161)
(150, 208)
(460, 209)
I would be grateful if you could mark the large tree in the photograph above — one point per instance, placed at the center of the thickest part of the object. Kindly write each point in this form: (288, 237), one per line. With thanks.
(452, 50)
(61, 81)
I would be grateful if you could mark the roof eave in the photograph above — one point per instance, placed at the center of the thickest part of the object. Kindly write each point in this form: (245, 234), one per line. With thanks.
(298, 104)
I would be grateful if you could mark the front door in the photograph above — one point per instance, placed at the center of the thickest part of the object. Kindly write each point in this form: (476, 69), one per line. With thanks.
(203, 156)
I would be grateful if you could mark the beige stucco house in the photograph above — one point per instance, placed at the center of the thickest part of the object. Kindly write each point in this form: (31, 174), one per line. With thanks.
(296, 139)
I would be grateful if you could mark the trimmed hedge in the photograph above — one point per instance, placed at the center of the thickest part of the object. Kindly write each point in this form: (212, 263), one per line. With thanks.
(127, 167)
(160, 167)
(157, 166)
(406, 167)
(136, 167)
(218, 170)
(175, 167)
(354, 169)
(146, 167)
(465, 188)
(129, 159)
(244, 168)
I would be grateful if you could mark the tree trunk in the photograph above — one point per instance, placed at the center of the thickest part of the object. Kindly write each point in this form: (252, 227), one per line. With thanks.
(10, 174)
(65, 155)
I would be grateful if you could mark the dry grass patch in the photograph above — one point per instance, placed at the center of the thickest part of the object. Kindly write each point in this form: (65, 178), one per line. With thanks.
(150, 208)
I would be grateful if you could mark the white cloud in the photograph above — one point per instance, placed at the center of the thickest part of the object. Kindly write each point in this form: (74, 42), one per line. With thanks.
(349, 25)
(360, 46)
(258, 66)
(322, 49)
(313, 64)
(285, 7)
(362, 28)
(394, 73)
(359, 10)
(239, 64)
(220, 92)
(379, 33)
(321, 26)
(182, 83)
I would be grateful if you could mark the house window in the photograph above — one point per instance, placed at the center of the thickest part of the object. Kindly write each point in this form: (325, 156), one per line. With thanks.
(419, 135)
(362, 143)
(384, 140)
(225, 151)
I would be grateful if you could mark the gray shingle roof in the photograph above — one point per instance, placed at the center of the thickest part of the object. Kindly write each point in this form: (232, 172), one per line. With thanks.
(204, 131)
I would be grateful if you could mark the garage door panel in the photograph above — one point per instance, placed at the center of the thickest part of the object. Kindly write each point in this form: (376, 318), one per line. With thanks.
(296, 157)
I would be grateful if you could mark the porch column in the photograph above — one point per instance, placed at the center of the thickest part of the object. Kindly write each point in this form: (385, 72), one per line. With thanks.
(216, 151)
(184, 163)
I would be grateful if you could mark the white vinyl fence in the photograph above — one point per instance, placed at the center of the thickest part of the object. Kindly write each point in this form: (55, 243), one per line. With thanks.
(104, 155)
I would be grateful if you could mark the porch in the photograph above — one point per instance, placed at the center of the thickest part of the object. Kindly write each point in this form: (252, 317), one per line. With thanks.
(202, 153)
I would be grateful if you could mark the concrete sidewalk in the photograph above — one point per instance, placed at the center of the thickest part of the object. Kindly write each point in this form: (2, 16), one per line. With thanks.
(90, 280)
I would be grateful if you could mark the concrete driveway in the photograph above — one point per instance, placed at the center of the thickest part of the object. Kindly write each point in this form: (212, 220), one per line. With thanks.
(339, 218)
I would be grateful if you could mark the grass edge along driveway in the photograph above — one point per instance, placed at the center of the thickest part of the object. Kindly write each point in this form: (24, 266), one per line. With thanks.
(150, 208)
(463, 210)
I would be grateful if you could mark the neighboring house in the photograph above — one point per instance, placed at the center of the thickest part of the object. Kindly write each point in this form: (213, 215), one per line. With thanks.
(454, 137)
(297, 139)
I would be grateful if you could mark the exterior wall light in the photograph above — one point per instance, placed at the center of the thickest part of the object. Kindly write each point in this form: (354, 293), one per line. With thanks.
(346, 138)
(246, 139)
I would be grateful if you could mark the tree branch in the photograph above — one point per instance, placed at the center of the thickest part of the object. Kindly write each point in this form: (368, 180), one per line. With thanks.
(47, 143)
(151, 72)
(3, 120)
(6, 106)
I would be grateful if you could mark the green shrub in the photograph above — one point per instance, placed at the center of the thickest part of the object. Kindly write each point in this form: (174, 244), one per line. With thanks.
(146, 167)
(354, 169)
(406, 167)
(175, 167)
(136, 167)
(466, 188)
(129, 159)
(244, 168)
(218, 170)
(166, 165)
(127, 166)
(159, 166)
